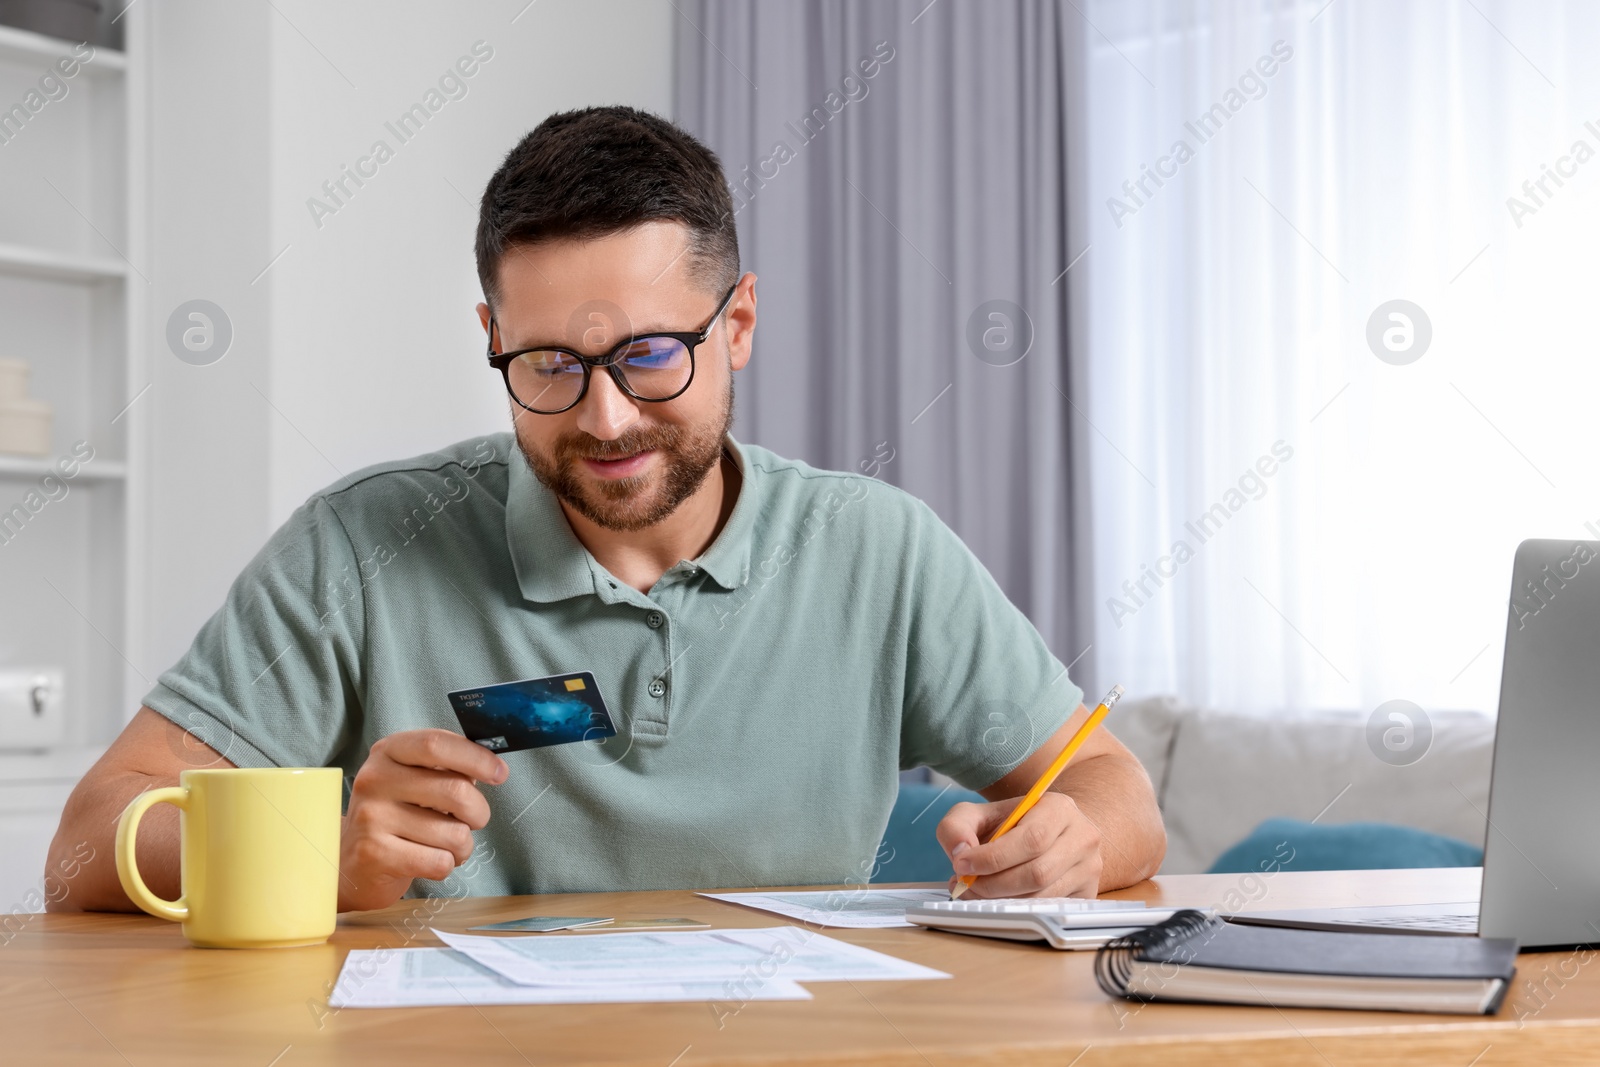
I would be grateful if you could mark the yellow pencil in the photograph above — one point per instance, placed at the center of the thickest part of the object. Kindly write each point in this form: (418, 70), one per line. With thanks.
(1047, 778)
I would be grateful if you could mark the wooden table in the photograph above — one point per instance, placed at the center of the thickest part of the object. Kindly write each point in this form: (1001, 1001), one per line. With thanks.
(125, 989)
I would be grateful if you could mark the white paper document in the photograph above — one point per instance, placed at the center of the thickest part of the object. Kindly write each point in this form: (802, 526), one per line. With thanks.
(743, 957)
(442, 977)
(850, 909)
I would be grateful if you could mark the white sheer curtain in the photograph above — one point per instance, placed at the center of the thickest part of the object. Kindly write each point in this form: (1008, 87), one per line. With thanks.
(1369, 158)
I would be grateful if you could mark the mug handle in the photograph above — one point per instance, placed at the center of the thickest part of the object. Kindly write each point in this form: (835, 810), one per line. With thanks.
(127, 867)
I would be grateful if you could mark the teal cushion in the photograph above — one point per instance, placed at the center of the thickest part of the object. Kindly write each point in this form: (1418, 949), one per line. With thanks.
(910, 851)
(1294, 845)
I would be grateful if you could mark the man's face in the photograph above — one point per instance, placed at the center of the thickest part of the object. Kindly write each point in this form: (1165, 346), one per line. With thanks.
(622, 463)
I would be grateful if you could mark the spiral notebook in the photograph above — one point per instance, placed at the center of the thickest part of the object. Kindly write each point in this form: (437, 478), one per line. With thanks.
(1193, 957)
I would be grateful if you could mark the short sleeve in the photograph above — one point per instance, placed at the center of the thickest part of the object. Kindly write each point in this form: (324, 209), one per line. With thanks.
(272, 679)
(982, 691)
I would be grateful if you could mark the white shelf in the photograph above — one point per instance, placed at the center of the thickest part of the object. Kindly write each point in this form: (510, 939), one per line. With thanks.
(59, 266)
(28, 468)
(25, 46)
(21, 766)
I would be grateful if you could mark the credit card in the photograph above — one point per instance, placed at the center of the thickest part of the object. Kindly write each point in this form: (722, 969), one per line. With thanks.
(652, 924)
(542, 923)
(534, 713)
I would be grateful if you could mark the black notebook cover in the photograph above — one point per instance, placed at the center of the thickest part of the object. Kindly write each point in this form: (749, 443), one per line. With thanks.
(1190, 938)
(1356, 954)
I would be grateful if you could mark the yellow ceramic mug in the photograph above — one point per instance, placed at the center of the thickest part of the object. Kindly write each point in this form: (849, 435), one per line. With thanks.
(260, 855)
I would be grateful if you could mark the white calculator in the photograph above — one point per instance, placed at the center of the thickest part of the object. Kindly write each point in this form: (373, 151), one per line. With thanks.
(1063, 922)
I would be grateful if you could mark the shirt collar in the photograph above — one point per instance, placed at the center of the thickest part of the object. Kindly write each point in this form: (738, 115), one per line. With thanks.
(550, 561)
(728, 558)
(552, 564)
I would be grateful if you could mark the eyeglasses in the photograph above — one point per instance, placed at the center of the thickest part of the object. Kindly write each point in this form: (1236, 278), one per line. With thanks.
(650, 367)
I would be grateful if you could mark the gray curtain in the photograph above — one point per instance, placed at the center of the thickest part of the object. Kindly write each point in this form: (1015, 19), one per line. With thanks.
(897, 169)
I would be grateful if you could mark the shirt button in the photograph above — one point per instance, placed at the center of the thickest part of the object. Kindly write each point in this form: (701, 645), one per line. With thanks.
(654, 620)
(657, 688)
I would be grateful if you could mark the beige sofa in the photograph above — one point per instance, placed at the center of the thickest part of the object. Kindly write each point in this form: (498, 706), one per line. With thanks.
(1217, 775)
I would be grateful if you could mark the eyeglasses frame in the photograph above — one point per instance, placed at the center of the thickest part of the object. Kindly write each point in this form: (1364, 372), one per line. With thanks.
(501, 361)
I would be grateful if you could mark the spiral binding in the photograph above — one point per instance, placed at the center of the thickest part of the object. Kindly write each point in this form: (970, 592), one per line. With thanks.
(1113, 962)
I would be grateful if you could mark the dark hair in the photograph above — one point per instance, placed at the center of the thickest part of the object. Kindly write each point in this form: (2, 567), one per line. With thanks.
(600, 170)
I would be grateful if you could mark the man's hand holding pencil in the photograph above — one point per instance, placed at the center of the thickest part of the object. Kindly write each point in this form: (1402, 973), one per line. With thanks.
(1038, 844)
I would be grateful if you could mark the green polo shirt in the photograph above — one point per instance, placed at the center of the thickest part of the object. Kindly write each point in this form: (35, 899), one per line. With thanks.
(765, 694)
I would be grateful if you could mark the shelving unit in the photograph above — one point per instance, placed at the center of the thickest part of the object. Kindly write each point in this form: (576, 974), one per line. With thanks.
(72, 304)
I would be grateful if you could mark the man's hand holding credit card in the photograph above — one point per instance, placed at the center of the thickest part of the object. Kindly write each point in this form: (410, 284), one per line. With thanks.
(413, 807)
(415, 802)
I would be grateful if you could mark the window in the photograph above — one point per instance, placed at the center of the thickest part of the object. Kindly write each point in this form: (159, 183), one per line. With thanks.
(1307, 496)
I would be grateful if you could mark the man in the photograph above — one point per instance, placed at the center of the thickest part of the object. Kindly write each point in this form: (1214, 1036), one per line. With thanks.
(775, 642)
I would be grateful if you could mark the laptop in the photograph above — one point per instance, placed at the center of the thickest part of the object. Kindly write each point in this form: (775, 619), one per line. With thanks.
(1541, 862)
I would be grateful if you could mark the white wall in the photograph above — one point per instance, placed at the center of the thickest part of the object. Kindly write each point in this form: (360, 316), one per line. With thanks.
(206, 427)
(360, 344)
(377, 352)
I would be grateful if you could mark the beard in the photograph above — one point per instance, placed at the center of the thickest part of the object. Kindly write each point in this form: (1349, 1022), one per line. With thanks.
(642, 500)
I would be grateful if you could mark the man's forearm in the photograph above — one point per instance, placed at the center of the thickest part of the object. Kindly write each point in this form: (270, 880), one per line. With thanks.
(89, 822)
(1115, 793)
